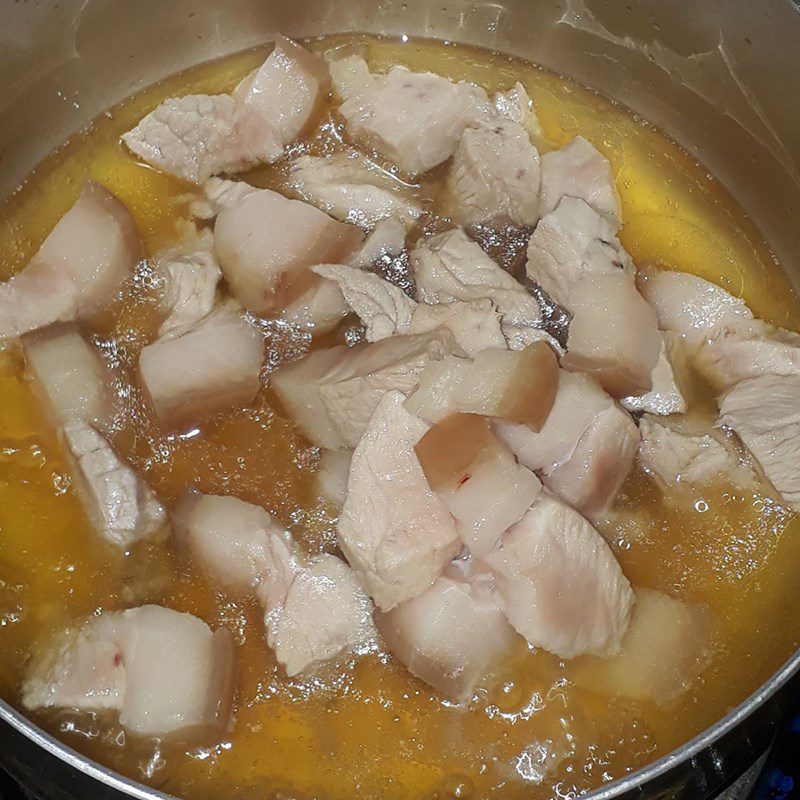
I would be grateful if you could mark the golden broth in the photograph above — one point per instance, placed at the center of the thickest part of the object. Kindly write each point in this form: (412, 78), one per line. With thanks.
(368, 729)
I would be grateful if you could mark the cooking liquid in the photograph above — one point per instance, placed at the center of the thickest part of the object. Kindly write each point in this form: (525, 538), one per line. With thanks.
(366, 728)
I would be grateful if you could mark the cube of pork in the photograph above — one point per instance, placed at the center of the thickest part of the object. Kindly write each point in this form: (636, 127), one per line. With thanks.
(765, 414)
(197, 136)
(561, 585)
(395, 531)
(451, 635)
(475, 325)
(165, 672)
(415, 119)
(383, 308)
(210, 366)
(351, 188)
(219, 193)
(121, 506)
(665, 397)
(570, 243)
(450, 267)
(613, 335)
(585, 448)
(494, 177)
(514, 385)
(661, 653)
(478, 479)
(516, 105)
(78, 270)
(228, 539)
(334, 469)
(687, 304)
(319, 309)
(332, 393)
(578, 170)
(191, 274)
(265, 243)
(70, 376)
(387, 239)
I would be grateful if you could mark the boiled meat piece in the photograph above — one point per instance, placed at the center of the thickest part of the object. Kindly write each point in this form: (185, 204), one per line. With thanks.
(228, 539)
(351, 188)
(584, 450)
(661, 653)
(477, 477)
(78, 270)
(514, 385)
(191, 274)
(674, 457)
(332, 393)
(475, 325)
(665, 397)
(334, 469)
(70, 376)
(383, 308)
(219, 193)
(266, 242)
(388, 239)
(451, 635)
(578, 170)
(765, 414)
(315, 610)
(450, 267)
(573, 241)
(395, 531)
(689, 305)
(320, 308)
(212, 365)
(613, 335)
(415, 119)
(494, 177)
(163, 671)
(197, 136)
(561, 585)
(516, 105)
(122, 508)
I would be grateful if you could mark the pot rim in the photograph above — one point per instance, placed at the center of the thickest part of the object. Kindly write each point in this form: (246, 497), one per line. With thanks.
(706, 738)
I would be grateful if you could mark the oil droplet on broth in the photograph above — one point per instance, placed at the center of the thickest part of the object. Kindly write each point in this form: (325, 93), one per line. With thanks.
(366, 728)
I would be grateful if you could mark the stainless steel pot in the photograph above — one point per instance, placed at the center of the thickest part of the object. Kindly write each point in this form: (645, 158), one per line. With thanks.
(720, 76)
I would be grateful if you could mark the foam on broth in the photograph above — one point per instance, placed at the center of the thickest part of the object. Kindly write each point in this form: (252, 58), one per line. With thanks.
(367, 729)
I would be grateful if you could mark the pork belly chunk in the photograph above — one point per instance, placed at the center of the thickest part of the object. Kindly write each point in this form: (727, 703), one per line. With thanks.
(334, 469)
(266, 242)
(584, 450)
(578, 170)
(661, 652)
(475, 324)
(331, 394)
(674, 457)
(415, 119)
(79, 269)
(452, 634)
(164, 672)
(516, 105)
(352, 189)
(191, 273)
(197, 136)
(561, 585)
(387, 240)
(450, 267)
(319, 309)
(226, 538)
(383, 308)
(120, 505)
(665, 397)
(572, 242)
(396, 532)
(212, 365)
(514, 385)
(765, 414)
(494, 177)
(478, 479)
(613, 335)
(69, 375)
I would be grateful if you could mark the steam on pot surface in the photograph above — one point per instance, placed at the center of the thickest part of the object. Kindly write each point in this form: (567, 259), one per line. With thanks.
(389, 420)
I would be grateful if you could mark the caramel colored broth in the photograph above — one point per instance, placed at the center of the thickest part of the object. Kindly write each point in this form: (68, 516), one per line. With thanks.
(367, 729)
